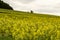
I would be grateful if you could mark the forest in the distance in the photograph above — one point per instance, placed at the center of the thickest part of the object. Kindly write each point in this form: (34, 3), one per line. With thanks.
(5, 5)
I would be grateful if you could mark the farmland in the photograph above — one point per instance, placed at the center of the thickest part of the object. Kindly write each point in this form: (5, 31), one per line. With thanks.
(15, 25)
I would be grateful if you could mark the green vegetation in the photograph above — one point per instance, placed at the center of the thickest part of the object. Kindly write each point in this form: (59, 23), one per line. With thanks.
(5, 5)
(15, 25)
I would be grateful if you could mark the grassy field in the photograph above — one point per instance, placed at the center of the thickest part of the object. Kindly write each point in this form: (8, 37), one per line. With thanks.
(15, 25)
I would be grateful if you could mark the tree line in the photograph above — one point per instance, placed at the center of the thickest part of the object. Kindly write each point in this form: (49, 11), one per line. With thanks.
(5, 5)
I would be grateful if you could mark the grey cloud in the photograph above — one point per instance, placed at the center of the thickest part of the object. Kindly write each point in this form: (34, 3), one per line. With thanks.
(55, 8)
(25, 1)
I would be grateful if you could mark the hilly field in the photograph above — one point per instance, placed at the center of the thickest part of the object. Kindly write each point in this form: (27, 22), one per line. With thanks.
(15, 25)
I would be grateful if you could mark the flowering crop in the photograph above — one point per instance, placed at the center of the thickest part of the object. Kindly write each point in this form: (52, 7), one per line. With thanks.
(21, 26)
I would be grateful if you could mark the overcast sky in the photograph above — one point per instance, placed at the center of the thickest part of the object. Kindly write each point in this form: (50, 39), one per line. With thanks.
(44, 6)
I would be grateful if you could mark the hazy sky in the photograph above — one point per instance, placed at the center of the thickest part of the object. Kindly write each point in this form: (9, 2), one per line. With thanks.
(45, 6)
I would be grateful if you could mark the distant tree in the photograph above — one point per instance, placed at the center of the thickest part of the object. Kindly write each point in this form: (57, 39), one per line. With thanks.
(5, 5)
(31, 11)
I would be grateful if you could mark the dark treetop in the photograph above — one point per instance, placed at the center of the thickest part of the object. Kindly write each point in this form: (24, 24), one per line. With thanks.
(5, 5)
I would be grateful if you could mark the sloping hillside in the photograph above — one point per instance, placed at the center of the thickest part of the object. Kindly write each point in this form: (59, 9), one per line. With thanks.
(15, 25)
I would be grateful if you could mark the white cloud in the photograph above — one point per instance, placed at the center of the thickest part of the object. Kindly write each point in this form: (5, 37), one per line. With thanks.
(49, 6)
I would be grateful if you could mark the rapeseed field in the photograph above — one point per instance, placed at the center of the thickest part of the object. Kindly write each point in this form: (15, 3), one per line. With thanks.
(15, 25)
